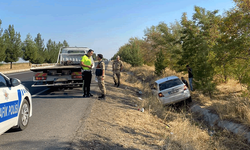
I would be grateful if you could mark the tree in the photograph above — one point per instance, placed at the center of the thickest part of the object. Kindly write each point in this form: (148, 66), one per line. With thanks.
(233, 45)
(30, 49)
(136, 57)
(13, 45)
(42, 55)
(159, 64)
(151, 47)
(236, 39)
(65, 43)
(2, 45)
(131, 53)
(53, 50)
(199, 38)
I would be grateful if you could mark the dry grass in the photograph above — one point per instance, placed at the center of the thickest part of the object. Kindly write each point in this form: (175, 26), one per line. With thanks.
(117, 124)
(15, 66)
(227, 101)
(184, 133)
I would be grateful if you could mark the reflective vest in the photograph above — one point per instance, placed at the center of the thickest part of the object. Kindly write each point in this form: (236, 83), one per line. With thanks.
(86, 61)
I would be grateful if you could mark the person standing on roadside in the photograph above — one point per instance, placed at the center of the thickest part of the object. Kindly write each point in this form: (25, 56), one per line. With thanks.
(87, 64)
(117, 68)
(184, 81)
(100, 74)
(190, 77)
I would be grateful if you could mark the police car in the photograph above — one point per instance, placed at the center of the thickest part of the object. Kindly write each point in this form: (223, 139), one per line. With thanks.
(15, 104)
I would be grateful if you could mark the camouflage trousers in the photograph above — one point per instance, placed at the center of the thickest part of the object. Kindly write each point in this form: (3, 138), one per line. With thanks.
(116, 74)
(101, 85)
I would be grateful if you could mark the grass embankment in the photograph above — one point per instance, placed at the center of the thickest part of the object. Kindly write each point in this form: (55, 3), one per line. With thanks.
(185, 133)
(15, 66)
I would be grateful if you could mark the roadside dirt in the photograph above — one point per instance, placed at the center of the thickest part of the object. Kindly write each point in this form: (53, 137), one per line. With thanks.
(116, 123)
(15, 66)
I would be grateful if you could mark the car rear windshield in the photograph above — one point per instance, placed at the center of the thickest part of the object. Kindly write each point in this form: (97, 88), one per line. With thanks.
(169, 84)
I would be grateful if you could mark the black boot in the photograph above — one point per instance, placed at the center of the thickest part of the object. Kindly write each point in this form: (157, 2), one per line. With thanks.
(115, 83)
(84, 95)
(118, 84)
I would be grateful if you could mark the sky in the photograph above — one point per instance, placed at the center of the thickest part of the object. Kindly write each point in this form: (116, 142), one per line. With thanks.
(102, 25)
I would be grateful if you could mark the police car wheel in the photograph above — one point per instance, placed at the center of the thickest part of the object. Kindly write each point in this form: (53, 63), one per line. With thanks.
(23, 119)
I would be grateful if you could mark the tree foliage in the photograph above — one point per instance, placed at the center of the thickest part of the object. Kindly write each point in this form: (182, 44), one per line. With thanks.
(30, 49)
(198, 41)
(2, 44)
(65, 43)
(12, 41)
(216, 47)
(52, 51)
(34, 51)
(42, 55)
(159, 63)
(53, 48)
(131, 52)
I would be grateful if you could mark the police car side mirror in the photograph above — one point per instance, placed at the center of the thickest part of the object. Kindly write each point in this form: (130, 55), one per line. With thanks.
(15, 82)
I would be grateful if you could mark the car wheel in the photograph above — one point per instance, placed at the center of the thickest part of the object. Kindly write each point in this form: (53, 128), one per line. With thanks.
(189, 100)
(23, 119)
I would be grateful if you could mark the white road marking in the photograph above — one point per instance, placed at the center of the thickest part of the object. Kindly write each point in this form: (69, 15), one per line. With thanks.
(39, 93)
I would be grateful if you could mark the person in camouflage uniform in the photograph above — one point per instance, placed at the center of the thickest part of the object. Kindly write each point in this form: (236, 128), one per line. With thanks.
(100, 74)
(117, 67)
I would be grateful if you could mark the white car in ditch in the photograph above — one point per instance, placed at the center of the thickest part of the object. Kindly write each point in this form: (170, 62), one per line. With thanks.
(171, 90)
(15, 104)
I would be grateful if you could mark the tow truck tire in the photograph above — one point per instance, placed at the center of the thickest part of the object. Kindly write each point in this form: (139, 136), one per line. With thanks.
(23, 119)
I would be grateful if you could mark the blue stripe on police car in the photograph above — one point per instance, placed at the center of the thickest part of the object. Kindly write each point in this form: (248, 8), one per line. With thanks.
(10, 110)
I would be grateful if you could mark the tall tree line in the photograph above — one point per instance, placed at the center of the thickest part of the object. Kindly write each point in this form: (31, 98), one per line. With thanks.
(217, 47)
(32, 50)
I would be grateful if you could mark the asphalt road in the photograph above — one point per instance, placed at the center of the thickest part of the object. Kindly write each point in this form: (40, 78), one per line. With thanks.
(57, 115)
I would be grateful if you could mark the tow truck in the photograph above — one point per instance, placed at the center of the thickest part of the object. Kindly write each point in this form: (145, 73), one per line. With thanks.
(66, 72)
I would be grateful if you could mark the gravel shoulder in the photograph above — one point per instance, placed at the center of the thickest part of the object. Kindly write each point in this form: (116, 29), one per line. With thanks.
(116, 122)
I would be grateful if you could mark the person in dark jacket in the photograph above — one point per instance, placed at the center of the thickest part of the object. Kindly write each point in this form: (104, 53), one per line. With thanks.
(184, 81)
(190, 77)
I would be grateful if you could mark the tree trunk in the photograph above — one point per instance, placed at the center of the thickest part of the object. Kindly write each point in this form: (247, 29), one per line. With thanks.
(224, 72)
(10, 65)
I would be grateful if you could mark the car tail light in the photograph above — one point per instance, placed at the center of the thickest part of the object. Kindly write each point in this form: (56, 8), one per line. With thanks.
(41, 78)
(185, 87)
(160, 95)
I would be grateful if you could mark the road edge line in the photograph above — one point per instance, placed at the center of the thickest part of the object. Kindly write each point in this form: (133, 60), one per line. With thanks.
(39, 93)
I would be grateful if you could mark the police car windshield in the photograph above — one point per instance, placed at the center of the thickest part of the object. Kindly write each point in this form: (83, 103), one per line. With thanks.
(169, 84)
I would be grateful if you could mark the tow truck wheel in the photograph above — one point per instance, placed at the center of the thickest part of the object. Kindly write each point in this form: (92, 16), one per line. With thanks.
(23, 119)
